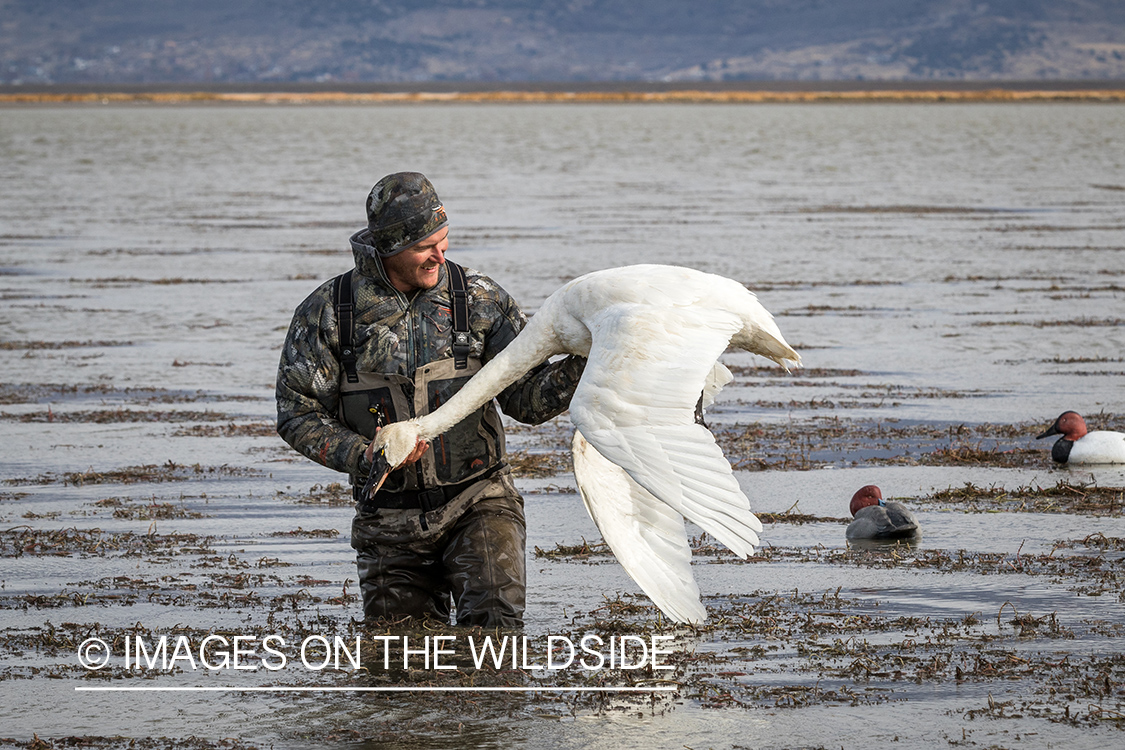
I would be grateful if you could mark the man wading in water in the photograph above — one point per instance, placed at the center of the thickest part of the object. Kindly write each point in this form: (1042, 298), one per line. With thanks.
(394, 338)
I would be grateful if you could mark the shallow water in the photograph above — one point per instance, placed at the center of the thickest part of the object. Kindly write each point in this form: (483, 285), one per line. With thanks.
(936, 265)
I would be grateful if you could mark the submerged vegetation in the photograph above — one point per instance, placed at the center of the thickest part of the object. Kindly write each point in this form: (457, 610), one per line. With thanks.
(166, 472)
(1064, 497)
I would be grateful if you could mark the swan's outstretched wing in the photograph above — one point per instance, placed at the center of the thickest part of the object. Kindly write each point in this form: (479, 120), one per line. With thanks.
(647, 537)
(636, 405)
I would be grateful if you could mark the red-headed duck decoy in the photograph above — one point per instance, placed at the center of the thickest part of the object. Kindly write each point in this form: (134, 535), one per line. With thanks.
(1079, 446)
(876, 518)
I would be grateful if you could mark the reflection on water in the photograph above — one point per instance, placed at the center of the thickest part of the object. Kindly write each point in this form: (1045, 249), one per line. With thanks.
(937, 266)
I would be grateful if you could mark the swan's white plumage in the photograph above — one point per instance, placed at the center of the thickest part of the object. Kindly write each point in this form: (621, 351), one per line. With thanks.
(716, 381)
(647, 536)
(653, 336)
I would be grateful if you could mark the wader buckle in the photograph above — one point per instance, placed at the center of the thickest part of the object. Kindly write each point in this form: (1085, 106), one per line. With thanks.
(430, 500)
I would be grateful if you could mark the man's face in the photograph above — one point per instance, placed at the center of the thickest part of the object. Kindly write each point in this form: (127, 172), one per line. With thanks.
(417, 267)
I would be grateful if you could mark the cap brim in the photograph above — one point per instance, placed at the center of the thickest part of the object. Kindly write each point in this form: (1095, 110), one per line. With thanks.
(409, 245)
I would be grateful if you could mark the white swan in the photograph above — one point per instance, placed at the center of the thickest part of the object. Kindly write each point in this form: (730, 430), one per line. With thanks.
(653, 336)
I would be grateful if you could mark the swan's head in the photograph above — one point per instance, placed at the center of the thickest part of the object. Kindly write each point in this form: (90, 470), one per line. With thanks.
(1069, 424)
(865, 496)
(391, 447)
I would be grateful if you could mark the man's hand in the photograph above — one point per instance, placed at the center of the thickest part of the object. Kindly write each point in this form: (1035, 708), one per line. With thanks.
(419, 449)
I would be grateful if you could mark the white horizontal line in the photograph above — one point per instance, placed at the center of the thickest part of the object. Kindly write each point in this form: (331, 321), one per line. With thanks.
(419, 689)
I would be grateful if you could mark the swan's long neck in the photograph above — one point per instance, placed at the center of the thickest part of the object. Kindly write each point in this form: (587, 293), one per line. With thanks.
(535, 343)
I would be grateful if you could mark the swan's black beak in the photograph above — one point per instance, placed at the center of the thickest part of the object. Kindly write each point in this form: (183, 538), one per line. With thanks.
(375, 477)
(1054, 430)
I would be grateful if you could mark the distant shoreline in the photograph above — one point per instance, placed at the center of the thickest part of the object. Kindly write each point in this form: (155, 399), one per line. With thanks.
(571, 92)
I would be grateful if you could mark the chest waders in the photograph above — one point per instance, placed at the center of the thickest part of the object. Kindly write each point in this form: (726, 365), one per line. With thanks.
(472, 450)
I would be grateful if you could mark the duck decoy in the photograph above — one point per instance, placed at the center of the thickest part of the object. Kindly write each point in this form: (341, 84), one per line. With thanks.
(875, 518)
(1079, 446)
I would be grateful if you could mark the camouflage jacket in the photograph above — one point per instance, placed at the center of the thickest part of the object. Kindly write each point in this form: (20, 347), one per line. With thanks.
(396, 334)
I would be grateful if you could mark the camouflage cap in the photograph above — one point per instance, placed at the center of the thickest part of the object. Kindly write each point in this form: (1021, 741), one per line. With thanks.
(402, 210)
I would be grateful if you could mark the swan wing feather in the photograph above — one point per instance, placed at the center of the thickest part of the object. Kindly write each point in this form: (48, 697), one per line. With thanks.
(646, 535)
(636, 405)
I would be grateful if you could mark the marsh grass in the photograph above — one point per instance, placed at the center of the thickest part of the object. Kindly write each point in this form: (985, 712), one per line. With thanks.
(1064, 497)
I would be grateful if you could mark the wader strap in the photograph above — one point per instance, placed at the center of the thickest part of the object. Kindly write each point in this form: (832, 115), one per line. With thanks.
(459, 296)
(345, 309)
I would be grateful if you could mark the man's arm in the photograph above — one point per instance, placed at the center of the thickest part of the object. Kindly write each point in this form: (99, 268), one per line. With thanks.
(544, 393)
(541, 394)
(308, 391)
